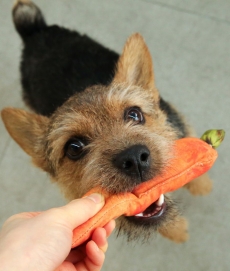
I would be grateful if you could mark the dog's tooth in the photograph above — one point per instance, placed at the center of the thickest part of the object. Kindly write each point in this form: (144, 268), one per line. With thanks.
(140, 214)
(160, 200)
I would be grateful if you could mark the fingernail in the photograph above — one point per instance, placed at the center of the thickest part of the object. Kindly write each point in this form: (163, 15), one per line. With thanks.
(97, 198)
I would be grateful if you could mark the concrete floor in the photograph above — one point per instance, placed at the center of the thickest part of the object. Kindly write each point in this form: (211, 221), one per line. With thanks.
(189, 42)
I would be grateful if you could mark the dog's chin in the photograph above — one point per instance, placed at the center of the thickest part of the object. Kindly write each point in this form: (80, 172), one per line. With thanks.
(143, 225)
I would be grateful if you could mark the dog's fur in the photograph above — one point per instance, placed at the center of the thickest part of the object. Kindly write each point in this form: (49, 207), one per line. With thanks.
(92, 109)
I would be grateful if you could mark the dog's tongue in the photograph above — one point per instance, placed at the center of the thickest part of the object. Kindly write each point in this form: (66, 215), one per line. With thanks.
(191, 158)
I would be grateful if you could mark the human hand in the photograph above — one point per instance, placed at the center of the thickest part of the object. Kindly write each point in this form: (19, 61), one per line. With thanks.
(42, 241)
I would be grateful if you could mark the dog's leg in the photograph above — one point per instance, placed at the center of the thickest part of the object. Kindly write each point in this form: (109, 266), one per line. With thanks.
(176, 230)
(200, 186)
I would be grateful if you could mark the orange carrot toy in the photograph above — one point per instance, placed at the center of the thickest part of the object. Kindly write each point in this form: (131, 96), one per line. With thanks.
(191, 158)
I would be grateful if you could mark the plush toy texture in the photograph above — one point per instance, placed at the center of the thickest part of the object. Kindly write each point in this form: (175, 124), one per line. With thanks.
(191, 158)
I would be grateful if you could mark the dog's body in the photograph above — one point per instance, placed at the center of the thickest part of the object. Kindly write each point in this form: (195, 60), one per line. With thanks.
(101, 119)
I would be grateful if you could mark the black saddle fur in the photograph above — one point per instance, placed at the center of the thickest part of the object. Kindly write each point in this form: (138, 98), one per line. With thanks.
(57, 62)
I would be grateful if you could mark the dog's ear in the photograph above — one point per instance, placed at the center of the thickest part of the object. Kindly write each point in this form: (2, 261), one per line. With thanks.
(135, 65)
(29, 131)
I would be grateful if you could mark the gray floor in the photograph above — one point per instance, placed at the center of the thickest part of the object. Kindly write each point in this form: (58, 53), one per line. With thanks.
(190, 45)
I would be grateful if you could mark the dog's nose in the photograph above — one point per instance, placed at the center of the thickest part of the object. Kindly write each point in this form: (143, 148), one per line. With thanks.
(134, 161)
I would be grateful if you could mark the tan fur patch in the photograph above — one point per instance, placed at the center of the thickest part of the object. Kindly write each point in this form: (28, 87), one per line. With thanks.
(135, 65)
(29, 131)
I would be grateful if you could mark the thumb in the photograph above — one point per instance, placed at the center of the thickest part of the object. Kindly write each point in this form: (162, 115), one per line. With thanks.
(79, 211)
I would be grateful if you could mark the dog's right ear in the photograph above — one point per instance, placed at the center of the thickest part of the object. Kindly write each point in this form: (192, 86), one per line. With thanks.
(29, 131)
(135, 65)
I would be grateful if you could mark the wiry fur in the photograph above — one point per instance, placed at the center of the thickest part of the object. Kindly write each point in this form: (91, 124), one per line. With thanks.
(79, 89)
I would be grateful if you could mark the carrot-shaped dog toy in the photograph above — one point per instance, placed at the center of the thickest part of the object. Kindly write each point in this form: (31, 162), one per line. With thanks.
(191, 158)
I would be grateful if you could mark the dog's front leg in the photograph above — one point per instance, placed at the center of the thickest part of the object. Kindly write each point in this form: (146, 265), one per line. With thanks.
(200, 186)
(176, 230)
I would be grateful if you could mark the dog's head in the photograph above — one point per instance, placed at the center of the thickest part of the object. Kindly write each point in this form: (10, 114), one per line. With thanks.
(115, 136)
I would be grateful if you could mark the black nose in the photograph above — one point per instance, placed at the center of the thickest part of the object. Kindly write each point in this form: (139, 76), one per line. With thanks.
(134, 161)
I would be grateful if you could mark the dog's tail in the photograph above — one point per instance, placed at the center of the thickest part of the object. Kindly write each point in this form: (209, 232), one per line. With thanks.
(28, 18)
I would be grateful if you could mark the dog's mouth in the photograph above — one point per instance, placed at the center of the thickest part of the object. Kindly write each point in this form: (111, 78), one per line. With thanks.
(154, 211)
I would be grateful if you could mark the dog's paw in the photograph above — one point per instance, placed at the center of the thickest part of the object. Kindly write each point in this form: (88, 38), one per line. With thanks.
(176, 231)
(200, 186)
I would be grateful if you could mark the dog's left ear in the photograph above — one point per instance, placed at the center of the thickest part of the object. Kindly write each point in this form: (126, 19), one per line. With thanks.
(29, 131)
(135, 66)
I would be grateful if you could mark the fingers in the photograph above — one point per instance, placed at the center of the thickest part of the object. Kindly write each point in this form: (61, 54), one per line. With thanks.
(93, 250)
(92, 260)
(96, 248)
(99, 237)
(109, 227)
(66, 266)
(95, 256)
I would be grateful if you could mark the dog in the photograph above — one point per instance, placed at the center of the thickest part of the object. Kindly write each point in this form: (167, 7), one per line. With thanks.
(98, 119)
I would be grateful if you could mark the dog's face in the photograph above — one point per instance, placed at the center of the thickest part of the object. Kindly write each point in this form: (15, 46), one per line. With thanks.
(114, 136)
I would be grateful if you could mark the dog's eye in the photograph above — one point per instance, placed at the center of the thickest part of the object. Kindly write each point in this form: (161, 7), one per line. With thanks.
(74, 148)
(134, 114)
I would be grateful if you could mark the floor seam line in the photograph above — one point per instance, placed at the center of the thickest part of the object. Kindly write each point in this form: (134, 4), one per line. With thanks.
(188, 12)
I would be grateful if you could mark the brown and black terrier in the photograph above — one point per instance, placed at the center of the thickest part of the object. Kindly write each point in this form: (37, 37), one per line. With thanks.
(99, 119)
